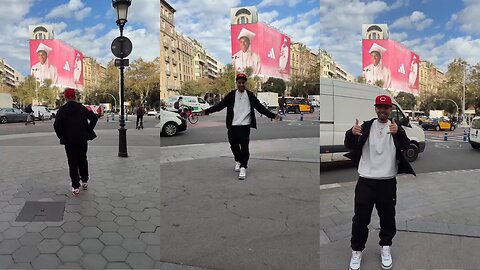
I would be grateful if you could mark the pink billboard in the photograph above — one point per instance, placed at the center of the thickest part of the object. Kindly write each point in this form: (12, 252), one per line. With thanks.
(57, 61)
(392, 63)
(261, 47)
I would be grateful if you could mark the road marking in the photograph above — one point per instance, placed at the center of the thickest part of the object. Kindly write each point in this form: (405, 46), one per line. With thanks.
(329, 186)
(183, 145)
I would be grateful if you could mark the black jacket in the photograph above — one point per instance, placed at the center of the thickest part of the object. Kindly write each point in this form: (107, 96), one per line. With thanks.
(401, 141)
(72, 125)
(229, 102)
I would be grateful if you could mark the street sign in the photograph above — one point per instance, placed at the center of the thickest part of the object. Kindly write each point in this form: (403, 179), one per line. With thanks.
(121, 47)
(122, 63)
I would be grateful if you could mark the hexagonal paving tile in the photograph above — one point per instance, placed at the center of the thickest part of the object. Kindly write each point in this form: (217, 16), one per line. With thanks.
(108, 226)
(94, 261)
(52, 232)
(118, 203)
(74, 216)
(4, 225)
(135, 207)
(88, 204)
(106, 216)
(121, 211)
(35, 227)
(104, 208)
(70, 253)
(5, 261)
(22, 266)
(151, 238)
(72, 226)
(31, 239)
(118, 266)
(14, 232)
(139, 216)
(90, 232)
(71, 239)
(145, 226)
(7, 216)
(90, 212)
(153, 252)
(90, 221)
(134, 245)
(49, 246)
(140, 261)
(92, 246)
(25, 254)
(125, 221)
(116, 197)
(70, 265)
(111, 238)
(46, 261)
(115, 253)
(129, 232)
(9, 246)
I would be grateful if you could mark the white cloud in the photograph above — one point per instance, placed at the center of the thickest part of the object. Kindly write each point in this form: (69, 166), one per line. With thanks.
(268, 16)
(467, 18)
(290, 3)
(398, 36)
(417, 19)
(146, 12)
(399, 4)
(74, 8)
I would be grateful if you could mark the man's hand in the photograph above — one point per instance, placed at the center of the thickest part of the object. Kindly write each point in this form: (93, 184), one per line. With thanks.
(357, 129)
(393, 128)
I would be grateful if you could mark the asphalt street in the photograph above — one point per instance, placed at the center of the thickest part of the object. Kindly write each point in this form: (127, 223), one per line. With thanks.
(439, 155)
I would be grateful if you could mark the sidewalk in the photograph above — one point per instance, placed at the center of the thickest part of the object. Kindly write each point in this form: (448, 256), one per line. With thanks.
(438, 223)
(213, 220)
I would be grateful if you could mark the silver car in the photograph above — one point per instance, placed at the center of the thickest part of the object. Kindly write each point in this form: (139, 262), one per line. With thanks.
(12, 115)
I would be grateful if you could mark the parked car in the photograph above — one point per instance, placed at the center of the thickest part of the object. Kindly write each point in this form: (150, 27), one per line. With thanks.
(171, 123)
(152, 112)
(10, 115)
(474, 138)
(298, 106)
(53, 112)
(41, 113)
(438, 124)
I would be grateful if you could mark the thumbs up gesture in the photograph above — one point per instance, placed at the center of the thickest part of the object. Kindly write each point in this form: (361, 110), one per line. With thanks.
(357, 129)
(393, 128)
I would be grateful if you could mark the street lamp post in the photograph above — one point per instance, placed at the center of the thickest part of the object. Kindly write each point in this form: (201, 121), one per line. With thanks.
(464, 123)
(121, 48)
(447, 99)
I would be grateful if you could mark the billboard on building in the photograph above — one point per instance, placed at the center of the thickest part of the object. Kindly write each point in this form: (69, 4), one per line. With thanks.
(375, 31)
(392, 63)
(244, 15)
(57, 61)
(41, 31)
(261, 47)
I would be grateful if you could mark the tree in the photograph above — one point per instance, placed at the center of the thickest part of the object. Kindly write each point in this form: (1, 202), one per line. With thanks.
(406, 100)
(142, 78)
(25, 92)
(379, 83)
(191, 88)
(360, 79)
(274, 85)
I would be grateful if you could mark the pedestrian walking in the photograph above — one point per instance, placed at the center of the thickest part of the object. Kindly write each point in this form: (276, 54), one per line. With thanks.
(30, 116)
(282, 104)
(240, 104)
(140, 112)
(376, 147)
(74, 126)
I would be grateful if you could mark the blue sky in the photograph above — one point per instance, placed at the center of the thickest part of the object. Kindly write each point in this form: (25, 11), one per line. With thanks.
(438, 30)
(208, 21)
(88, 25)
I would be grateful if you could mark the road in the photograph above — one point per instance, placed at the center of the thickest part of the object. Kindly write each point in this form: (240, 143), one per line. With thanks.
(439, 155)
(211, 129)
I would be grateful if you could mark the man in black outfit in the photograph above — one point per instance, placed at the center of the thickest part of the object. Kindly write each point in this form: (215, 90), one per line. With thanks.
(240, 104)
(140, 111)
(376, 147)
(30, 116)
(74, 125)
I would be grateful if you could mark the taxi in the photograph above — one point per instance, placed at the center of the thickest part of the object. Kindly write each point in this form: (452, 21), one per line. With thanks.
(438, 124)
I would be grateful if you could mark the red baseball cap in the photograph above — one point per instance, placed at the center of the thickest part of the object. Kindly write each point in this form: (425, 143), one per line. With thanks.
(383, 100)
(241, 76)
(69, 93)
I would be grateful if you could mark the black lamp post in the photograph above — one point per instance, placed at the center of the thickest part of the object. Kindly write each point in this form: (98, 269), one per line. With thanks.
(121, 48)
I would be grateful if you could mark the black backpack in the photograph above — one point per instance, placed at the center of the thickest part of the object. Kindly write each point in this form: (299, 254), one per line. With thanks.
(175, 105)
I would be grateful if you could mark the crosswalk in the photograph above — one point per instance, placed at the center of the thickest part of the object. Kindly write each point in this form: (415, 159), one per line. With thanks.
(450, 139)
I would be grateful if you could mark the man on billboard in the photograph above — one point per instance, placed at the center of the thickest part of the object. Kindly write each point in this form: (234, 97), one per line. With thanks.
(412, 77)
(245, 57)
(43, 70)
(77, 71)
(284, 52)
(376, 71)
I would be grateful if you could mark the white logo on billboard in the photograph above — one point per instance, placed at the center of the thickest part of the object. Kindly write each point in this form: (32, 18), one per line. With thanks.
(402, 69)
(271, 54)
(66, 66)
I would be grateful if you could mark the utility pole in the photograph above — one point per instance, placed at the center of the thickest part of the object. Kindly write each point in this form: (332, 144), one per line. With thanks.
(464, 123)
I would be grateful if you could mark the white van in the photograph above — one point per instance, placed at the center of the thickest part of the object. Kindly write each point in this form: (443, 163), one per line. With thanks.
(42, 113)
(197, 103)
(171, 123)
(342, 102)
(474, 138)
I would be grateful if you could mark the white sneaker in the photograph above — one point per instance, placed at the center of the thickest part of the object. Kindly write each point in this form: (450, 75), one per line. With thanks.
(356, 260)
(243, 173)
(237, 166)
(386, 257)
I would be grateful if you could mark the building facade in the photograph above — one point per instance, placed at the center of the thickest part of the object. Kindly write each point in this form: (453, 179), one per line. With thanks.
(186, 59)
(93, 74)
(303, 59)
(8, 75)
(430, 78)
(169, 83)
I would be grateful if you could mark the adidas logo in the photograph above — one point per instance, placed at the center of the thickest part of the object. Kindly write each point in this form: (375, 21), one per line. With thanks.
(271, 54)
(66, 66)
(402, 69)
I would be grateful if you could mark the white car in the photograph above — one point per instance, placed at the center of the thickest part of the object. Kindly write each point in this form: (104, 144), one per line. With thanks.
(474, 138)
(41, 112)
(171, 123)
(151, 112)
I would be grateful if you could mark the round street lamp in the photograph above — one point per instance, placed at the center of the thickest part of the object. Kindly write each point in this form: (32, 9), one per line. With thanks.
(122, 47)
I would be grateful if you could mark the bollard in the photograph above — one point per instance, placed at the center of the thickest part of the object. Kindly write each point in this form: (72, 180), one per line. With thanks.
(301, 116)
(464, 135)
(113, 116)
(107, 118)
(318, 116)
(445, 136)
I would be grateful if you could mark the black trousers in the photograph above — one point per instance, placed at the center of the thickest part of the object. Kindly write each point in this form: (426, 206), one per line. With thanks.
(239, 138)
(382, 194)
(139, 119)
(77, 162)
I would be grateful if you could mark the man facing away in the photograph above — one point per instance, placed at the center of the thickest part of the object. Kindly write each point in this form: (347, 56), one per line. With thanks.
(140, 112)
(240, 104)
(376, 148)
(74, 126)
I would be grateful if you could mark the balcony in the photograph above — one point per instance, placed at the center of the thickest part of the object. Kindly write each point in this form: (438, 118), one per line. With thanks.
(175, 74)
(166, 44)
(168, 72)
(167, 59)
(175, 62)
